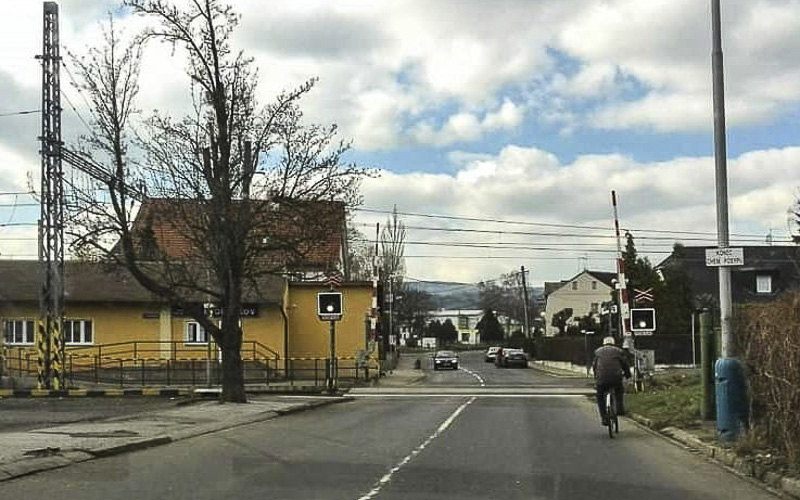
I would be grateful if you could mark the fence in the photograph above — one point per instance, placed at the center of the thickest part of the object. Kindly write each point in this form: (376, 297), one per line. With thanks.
(669, 349)
(140, 363)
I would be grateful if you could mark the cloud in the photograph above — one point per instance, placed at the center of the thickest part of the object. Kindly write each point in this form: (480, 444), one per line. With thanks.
(467, 127)
(527, 184)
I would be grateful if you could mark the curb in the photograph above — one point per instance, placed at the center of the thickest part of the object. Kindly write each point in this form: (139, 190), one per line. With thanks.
(94, 393)
(757, 473)
(56, 459)
(556, 372)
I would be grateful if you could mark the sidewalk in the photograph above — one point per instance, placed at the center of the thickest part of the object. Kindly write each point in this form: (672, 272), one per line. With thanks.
(405, 373)
(23, 453)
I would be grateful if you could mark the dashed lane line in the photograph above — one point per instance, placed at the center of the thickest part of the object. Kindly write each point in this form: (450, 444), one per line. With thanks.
(388, 476)
(476, 375)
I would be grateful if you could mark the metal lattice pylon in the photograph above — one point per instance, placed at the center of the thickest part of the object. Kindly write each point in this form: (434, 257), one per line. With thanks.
(51, 222)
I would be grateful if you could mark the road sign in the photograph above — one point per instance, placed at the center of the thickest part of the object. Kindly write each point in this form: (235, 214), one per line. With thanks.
(718, 257)
(334, 279)
(329, 306)
(643, 320)
(643, 295)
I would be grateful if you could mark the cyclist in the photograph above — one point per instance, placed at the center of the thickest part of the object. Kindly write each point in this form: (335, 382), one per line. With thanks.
(609, 365)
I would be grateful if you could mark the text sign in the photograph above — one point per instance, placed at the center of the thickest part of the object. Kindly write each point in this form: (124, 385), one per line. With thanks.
(718, 257)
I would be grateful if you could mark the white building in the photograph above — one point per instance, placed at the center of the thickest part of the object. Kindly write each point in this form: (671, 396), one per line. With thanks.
(583, 294)
(465, 321)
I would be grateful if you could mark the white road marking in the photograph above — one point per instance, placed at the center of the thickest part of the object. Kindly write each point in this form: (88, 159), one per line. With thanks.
(474, 374)
(388, 476)
(453, 395)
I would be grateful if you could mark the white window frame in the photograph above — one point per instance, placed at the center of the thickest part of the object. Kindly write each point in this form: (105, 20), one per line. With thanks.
(82, 331)
(594, 285)
(200, 333)
(763, 283)
(26, 324)
(574, 285)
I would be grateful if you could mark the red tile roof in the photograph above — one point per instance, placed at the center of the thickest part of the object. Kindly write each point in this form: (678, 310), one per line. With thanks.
(297, 235)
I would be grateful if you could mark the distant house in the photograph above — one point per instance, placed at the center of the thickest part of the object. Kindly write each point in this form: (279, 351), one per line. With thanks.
(583, 294)
(465, 321)
(767, 271)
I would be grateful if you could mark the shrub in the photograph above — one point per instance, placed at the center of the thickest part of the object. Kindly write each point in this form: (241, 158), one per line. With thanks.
(768, 338)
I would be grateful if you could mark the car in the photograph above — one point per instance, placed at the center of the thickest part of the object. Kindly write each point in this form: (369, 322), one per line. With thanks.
(515, 357)
(445, 359)
(491, 354)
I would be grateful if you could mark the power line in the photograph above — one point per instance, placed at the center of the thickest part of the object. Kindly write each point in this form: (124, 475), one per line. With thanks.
(520, 244)
(570, 235)
(16, 193)
(539, 248)
(548, 224)
(19, 113)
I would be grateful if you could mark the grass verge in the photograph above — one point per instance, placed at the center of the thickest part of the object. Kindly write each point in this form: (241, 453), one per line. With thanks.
(669, 401)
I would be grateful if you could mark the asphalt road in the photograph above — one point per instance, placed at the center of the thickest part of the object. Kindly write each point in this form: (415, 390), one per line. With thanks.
(474, 370)
(519, 446)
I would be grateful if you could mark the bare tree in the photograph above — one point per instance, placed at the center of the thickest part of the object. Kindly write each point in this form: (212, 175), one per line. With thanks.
(209, 230)
(393, 243)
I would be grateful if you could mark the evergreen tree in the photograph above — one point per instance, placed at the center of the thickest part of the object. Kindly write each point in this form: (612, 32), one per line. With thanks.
(490, 328)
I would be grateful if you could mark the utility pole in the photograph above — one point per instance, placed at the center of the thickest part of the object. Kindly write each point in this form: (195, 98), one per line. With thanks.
(49, 339)
(730, 383)
(525, 303)
(721, 170)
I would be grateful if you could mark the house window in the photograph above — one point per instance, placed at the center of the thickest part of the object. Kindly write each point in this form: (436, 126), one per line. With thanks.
(594, 285)
(463, 322)
(19, 331)
(78, 331)
(465, 337)
(763, 283)
(195, 334)
(595, 307)
(574, 285)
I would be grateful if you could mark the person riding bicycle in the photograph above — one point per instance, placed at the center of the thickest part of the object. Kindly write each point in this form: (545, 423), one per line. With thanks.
(609, 365)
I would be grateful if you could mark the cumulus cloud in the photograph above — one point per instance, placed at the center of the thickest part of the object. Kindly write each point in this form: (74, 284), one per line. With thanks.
(467, 127)
(527, 184)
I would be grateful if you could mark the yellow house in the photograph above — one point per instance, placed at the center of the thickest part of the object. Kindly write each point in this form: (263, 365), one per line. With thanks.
(110, 319)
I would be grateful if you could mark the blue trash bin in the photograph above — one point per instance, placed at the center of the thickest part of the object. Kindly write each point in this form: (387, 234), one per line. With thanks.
(731, 392)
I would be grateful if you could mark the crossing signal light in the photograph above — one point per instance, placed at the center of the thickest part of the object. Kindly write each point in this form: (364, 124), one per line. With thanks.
(643, 320)
(329, 305)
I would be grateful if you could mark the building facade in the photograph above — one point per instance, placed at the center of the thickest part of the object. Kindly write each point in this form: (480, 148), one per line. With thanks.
(583, 293)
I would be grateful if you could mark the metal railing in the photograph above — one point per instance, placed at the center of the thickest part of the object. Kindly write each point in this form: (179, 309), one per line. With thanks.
(143, 363)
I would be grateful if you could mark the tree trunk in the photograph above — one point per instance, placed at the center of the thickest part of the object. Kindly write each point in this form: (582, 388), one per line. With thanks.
(232, 372)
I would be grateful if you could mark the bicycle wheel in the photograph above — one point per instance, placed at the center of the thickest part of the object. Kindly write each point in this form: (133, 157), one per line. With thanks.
(611, 413)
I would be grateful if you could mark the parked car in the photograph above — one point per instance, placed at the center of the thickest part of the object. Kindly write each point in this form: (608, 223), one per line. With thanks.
(491, 354)
(445, 359)
(515, 357)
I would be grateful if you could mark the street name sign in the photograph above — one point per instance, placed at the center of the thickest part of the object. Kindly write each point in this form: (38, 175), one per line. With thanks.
(718, 257)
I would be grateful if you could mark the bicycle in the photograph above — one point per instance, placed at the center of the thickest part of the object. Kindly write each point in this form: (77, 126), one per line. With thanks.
(611, 413)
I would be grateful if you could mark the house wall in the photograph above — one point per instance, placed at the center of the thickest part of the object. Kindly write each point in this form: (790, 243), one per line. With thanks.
(310, 337)
(154, 328)
(111, 323)
(580, 299)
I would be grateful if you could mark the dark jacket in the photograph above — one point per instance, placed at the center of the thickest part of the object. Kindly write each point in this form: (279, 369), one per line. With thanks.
(609, 365)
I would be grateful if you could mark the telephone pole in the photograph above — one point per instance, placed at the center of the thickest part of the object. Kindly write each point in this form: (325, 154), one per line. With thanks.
(731, 386)
(525, 303)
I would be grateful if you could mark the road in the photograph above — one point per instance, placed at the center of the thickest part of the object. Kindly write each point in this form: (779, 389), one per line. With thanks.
(405, 446)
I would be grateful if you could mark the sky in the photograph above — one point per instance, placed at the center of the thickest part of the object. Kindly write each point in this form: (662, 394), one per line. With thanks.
(499, 128)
